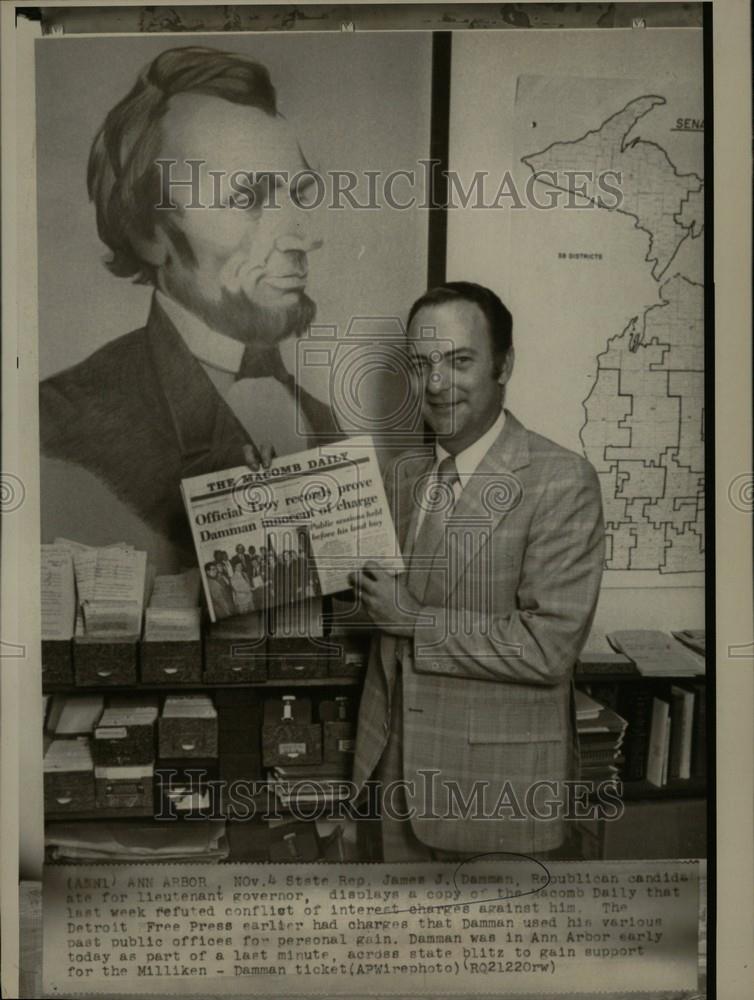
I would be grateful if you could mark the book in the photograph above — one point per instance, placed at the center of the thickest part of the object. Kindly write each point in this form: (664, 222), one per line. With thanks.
(656, 753)
(699, 735)
(290, 532)
(666, 750)
(682, 717)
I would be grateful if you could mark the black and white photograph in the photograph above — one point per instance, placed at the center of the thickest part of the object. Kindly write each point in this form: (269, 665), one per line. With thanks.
(470, 244)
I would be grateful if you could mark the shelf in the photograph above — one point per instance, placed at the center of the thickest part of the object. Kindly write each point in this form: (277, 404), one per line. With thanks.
(140, 688)
(691, 788)
(586, 674)
(119, 814)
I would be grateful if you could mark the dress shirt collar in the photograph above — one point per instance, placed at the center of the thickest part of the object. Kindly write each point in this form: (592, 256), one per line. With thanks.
(468, 460)
(207, 345)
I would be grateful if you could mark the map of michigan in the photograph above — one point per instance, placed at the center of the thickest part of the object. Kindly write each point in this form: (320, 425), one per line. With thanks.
(644, 426)
(659, 199)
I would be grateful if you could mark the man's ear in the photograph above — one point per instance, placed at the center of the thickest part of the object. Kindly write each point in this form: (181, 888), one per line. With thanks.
(507, 368)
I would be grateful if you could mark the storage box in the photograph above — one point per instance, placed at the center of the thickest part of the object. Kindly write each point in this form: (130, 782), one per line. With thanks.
(338, 719)
(175, 662)
(232, 659)
(57, 663)
(188, 727)
(350, 655)
(185, 787)
(125, 735)
(68, 770)
(125, 787)
(288, 733)
(100, 663)
(297, 656)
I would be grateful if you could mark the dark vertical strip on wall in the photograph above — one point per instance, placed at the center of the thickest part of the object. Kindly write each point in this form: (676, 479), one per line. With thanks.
(438, 153)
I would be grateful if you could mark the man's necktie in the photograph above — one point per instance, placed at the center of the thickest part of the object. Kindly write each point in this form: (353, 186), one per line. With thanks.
(265, 364)
(439, 499)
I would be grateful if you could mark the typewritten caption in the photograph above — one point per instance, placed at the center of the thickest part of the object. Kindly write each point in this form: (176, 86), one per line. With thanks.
(485, 925)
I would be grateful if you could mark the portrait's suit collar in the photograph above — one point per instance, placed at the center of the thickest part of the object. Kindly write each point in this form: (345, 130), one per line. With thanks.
(207, 432)
(203, 425)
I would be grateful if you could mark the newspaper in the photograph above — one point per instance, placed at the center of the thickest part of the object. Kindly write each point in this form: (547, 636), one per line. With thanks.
(290, 532)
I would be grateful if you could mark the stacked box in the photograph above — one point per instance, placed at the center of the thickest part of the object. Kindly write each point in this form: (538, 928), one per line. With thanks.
(100, 662)
(68, 770)
(125, 787)
(183, 786)
(297, 656)
(350, 654)
(338, 719)
(288, 733)
(234, 659)
(187, 727)
(57, 663)
(171, 662)
(125, 735)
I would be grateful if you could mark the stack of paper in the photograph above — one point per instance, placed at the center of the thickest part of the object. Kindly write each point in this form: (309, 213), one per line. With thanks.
(110, 585)
(174, 614)
(137, 841)
(58, 592)
(601, 733)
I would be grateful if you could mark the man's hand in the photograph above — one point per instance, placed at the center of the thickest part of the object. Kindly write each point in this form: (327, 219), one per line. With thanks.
(257, 458)
(386, 599)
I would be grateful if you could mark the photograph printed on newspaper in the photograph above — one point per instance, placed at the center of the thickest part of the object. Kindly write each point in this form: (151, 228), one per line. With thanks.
(372, 463)
(298, 528)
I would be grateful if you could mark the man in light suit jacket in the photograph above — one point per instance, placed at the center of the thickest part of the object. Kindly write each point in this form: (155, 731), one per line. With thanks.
(467, 716)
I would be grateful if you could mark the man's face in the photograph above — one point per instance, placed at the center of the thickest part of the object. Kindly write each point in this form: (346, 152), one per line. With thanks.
(458, 375)
(212, 572)
(243, 270)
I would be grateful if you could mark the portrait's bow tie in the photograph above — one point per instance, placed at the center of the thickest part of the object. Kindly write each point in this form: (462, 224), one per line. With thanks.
(264, 364)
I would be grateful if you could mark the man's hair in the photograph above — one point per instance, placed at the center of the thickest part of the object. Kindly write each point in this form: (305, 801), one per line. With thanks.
(122, 179)
(499, 319)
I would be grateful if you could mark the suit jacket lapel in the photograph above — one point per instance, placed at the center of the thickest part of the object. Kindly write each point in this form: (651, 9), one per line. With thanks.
(411, 472)
(206, 430)
(486, 498)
